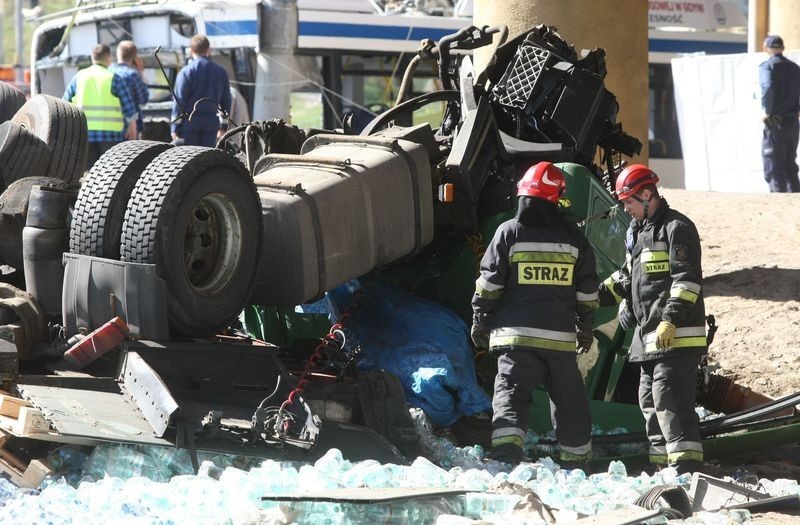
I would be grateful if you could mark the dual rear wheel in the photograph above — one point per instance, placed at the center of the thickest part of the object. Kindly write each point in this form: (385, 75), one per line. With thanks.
(193, 212)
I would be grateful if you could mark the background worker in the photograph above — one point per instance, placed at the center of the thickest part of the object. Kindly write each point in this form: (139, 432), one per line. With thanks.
(662, 287)
(201, 89)
(536, 278)
(129, 68)
(105, 99)
(780, 100)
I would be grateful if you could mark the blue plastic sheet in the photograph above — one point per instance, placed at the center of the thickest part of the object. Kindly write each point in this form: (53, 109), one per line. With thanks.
(423, 343)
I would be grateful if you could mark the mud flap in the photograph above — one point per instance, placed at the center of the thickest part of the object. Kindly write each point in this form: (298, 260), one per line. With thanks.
(384, 409)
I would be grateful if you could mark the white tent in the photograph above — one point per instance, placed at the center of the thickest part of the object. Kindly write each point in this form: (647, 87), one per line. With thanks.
(718, 102)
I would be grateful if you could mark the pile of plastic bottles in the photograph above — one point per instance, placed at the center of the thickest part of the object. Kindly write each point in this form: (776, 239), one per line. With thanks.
(443, 452)
(222, 493)
(140, 484)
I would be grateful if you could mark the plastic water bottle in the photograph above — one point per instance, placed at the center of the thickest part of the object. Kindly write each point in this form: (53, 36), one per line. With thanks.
(333, 465)
(617, 471)
(429, 474)
(209, 470)
(474, 479)
(7, 490)
(522, 473)
(478, 504)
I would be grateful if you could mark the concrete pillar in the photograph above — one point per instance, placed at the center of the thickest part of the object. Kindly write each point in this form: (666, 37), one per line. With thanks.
(618, 26)
(2, 32)
(757, 23)
(19, 46)
(277, 39)
(784, 20)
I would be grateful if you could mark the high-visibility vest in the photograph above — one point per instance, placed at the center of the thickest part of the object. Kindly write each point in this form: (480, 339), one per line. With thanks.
(93, 95)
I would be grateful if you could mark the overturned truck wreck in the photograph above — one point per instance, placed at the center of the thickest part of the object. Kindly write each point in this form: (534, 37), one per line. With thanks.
(173, 243)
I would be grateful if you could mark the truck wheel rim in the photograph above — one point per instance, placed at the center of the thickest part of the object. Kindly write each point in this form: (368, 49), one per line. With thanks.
(212, 244)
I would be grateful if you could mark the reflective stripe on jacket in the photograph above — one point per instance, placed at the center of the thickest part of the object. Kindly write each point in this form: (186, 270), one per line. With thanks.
(93, 95)
(533, 282)
(662, 280)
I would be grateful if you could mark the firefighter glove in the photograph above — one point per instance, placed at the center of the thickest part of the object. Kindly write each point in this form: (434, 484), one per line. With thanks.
(626, 319)
(585, 340)
(481, 325)
(665, 333)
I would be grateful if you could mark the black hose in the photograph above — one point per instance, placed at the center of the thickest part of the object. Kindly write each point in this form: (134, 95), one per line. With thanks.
(384, 118)
(444, 54)
(228, 134)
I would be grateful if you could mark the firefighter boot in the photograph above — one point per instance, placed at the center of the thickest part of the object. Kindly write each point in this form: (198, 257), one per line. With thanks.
(585, 465)
(688, 466)
(507, 453)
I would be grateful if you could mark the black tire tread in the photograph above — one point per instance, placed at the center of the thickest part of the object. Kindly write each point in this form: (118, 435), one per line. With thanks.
(140, 232)
(104, 194)
(11, 99)
(22, 154)
(63, 127)
(144, 208)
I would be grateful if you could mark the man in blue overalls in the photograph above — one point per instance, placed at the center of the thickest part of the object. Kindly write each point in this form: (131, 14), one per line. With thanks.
(201, 89)
(780, 100)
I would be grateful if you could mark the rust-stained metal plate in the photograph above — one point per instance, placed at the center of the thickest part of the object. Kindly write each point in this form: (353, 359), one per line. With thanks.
(102, 414)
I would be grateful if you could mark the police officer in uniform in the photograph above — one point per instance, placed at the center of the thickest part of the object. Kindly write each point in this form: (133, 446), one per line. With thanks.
(536, 294)
(780, 100)
(661, 285)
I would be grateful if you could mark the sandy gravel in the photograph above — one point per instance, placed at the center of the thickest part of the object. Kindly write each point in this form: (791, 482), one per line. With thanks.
(751, 267)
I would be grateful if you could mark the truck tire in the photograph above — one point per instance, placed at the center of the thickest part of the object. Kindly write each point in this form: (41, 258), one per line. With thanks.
(196, 215)
(22, 154)
(103, 197)
(11, 99)
(62, 127)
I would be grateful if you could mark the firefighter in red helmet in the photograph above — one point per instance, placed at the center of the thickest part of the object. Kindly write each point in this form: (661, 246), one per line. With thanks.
(533, 306)
(660, 288)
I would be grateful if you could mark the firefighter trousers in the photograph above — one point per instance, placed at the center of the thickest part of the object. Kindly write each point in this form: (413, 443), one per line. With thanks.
(667, 397)
(519, 372)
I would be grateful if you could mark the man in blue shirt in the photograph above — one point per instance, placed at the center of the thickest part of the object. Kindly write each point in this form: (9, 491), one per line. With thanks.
(201, 89)
(780, 99)
(106, 101)
(129, 67)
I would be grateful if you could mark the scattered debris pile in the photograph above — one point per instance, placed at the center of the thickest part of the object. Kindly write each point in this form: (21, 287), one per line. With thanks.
(117, 483)
(158, 484)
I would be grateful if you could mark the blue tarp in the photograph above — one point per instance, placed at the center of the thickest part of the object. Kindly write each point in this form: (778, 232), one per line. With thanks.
(423, 343)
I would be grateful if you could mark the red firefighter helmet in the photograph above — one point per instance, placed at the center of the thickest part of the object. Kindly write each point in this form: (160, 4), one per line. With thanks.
(632, 179)
(543, 181)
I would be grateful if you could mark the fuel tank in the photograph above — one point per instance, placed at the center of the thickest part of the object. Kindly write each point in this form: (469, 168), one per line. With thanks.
(344, 206)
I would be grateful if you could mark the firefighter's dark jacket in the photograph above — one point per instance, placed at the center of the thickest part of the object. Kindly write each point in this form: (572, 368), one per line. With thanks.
(536, 283)
(661, 281)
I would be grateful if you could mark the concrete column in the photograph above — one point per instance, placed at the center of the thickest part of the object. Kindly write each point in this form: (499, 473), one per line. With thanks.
(784, 20)
(2, 32)
(618, 26)
(757, 22)
(277, 38)
(19, 46)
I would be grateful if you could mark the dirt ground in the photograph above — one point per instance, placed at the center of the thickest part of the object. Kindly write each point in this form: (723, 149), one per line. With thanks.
(751, 267)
